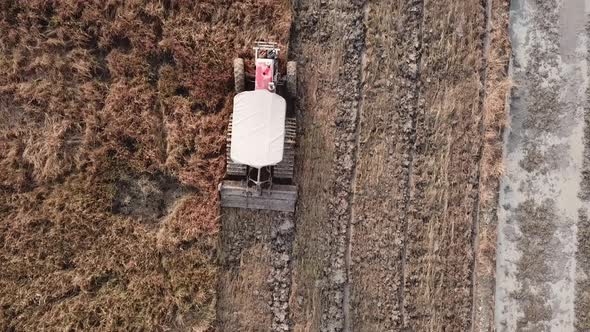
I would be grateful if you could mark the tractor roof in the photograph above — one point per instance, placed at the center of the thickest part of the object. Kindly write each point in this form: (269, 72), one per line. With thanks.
(258, 128)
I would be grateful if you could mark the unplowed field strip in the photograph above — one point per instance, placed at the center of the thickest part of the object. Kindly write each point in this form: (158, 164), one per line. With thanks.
(444, 189)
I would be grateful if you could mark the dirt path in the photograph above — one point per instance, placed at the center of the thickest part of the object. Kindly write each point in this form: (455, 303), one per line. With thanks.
(539, 201)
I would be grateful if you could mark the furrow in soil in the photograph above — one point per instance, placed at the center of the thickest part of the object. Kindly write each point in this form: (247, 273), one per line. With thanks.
(350, 230)
(282, 233)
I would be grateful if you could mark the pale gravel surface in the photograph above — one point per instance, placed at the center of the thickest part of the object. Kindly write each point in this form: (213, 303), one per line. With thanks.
(538, 214)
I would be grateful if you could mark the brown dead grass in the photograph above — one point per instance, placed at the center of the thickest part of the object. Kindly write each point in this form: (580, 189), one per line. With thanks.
(494, 115)
(443, 182)
(491, 165)
(94, 90)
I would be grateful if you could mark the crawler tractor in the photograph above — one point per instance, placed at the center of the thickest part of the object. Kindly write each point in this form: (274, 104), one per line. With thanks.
(261, 135)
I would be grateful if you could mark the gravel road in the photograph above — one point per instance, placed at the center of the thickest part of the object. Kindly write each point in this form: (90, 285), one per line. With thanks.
(544, 157)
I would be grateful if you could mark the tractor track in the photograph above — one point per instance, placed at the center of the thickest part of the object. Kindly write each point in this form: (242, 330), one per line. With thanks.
(282, 234)
(346, 135)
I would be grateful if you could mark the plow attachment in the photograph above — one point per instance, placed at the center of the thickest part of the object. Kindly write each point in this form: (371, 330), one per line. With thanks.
(236, 194)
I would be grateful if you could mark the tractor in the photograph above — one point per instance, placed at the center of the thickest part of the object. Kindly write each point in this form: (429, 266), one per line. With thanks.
(261, 135)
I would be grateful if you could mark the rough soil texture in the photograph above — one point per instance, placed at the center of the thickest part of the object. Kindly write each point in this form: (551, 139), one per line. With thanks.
(386, 145)
(328, 42)
(244, 294)
(255, 278)
(398, 251)
(444, 180)
(542, 257)
(112, 134)
(422, 127)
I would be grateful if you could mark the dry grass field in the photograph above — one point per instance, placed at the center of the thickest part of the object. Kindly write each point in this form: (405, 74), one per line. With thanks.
(112, 123)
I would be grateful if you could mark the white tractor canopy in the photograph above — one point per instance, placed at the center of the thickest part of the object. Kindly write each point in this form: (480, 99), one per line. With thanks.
(258, 128)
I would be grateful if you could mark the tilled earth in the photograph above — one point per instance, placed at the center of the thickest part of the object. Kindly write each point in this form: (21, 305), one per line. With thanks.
(396, 131)
(255, 282)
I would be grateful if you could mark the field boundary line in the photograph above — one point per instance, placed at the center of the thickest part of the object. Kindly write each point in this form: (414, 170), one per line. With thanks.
(477, 207)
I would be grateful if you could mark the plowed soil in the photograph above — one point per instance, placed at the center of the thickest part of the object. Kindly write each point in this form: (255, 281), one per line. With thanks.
(413, 209)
